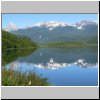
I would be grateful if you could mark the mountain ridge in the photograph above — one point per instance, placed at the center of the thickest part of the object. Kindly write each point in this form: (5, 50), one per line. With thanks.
(51, 24)
(42, 33)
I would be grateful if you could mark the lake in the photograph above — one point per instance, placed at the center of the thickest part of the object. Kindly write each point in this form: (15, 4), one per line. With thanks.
(61, 66)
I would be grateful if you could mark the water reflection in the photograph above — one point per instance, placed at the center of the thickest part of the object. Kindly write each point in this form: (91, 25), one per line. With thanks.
(61, 55)
(51, 64)
(61, 66)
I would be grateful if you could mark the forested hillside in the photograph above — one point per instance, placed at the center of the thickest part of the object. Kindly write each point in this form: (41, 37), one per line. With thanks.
(12, 41)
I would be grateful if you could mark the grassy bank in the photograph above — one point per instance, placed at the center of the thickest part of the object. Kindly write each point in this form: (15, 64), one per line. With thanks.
(12, 78)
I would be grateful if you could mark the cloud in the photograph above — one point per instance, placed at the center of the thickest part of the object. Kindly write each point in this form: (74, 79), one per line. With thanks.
(11, 27)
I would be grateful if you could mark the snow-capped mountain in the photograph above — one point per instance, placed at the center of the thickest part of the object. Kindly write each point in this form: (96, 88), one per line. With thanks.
(51, 24)
(81, 24)
(54, 31)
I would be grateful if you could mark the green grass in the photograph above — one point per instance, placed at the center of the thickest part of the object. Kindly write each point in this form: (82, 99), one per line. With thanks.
(16, 78)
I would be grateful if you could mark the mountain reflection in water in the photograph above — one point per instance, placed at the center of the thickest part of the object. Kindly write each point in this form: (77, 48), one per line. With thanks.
(61, 66)
(51, 64)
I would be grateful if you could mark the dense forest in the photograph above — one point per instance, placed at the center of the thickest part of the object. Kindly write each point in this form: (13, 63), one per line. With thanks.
(12, 45)
(15, 42)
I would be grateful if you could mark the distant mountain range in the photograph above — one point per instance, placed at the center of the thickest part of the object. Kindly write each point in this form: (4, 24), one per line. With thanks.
(52, 31)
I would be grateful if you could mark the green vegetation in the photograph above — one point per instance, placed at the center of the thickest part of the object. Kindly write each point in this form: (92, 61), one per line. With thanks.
(11, 41)
(63, 44)
(15, 46)
(91, 41)
(11, 55)
(66, 44)
(12, 47)
(16, 78)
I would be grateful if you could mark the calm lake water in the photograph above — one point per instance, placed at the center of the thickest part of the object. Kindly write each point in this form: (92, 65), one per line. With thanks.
(61, 66)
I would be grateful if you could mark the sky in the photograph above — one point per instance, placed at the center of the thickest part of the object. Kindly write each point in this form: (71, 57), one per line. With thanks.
(22, 20)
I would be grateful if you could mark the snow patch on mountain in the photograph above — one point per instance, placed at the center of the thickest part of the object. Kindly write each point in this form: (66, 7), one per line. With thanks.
(83, 23)
(51, 24)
